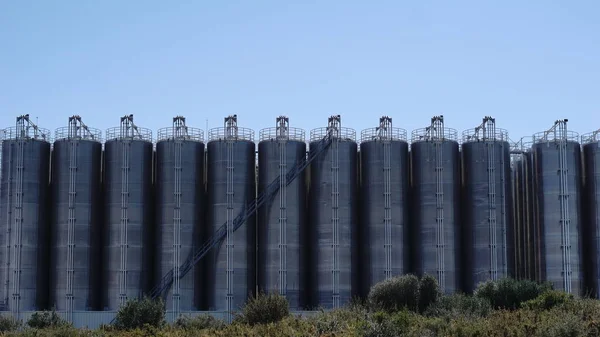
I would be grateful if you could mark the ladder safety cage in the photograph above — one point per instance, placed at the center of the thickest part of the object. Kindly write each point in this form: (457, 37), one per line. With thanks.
(248, 210)
(334, 125)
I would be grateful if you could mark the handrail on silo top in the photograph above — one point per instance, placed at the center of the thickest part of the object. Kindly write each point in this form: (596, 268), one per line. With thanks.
(436, 131)
(282, 131)
(486, 131)
(180, 131)
(385, 131)
(591, 137)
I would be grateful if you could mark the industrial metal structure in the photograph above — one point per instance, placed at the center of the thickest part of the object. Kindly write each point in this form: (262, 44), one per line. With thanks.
(179, 206)
(128, 225)
(435, 185)
(384, 190)
(281, 225)
(76, 218)
(557, 203)
(488, 241)
(525, 239)
(333, 217)
(230, 186)
(590, 143)
(24, 196)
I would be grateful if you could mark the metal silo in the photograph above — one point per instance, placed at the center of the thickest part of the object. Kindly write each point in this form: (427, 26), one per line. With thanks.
(557, 192)
(384, 203)
(128, 213)
(282, 220)
(435, 185)
(591, 154)
(333, 221)
(488, 239)
(24, 197)
(179, 206)
(231, 184)
(76, 211)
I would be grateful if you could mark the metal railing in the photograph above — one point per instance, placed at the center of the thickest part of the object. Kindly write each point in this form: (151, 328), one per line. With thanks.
(138, 133)
(180, 133)
(65, 133)
(555, 135)
(274, 133)
(393, 133)
(342, 133)
(12, 133)
(237, 133)
(478, 135)
(591, 137)
(427, 134)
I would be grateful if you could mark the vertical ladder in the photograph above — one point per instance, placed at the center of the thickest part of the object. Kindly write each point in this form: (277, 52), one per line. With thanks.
(9, 206)
(387, 205)
(282, 217)
(125, 152)
(229, 240)
(565, 220)
(177, 144)
(439, 198)
(335, 245)
(69, 296)
(503, 215)
(18, 223)
(493, 231)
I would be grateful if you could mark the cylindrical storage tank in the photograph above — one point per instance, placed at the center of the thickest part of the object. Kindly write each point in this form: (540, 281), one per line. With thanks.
(488, 240)
(333, 223)
(435, 191)
(231, 185)
(179, 206)
(128, 205)
(76, 218)
(282, 220)
(384, 210)
(24, 217)
(557, 170)
(591, 154)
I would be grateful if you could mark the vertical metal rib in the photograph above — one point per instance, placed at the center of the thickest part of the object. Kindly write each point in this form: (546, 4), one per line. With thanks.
(16, 295)
(229, 239)
(282, 218)
(503, 215)
(178, 144)
(335, 222)
(493, 231)
(387, 216)
(440, 235)
(564, 207)
(71, 229)
(8, 224)
(125, 147)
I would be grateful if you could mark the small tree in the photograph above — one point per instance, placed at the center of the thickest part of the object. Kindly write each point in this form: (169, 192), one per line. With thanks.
(9, 324)
(265, 308)
(139, 313)
(46, 319)
(429, 292)
(395, 294)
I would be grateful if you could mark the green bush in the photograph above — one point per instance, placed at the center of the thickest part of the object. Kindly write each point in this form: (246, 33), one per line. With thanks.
(139, 314)
(548, 300)
(265, 308)
(457, 306)
(509, 293)
(429, 292)
(46, 319)
(394, 294)
(199, 323)
(8, 324)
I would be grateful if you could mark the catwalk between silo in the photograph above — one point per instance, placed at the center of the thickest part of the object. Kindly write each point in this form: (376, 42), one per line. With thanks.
(128, 226)
(487, 214)
(282, 220)
(435, 204)
(557, 169)
(230, 266)
(76, 221)
(333, 219)
(24, 217)
(180, 207)
(384, 191)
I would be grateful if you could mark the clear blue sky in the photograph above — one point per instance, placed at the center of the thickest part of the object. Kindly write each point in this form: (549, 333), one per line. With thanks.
(527, 63)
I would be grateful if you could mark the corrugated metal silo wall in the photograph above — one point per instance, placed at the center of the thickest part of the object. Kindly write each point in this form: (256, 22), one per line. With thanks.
(190, 187)
(548, 196)
(271, 264)
(443, 264)
(591, 154)
(33, 289)
(373, 212)
(128, 196)
(487, 213)
(320, 224)
(244, 239)
(525, 245)
(79, 175)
